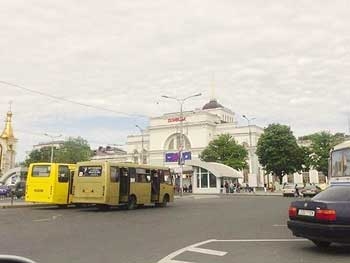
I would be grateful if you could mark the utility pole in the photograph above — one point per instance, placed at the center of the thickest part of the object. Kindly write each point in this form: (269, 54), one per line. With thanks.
(52, 143)
(250, 145)
(181, 146)
(142, 143)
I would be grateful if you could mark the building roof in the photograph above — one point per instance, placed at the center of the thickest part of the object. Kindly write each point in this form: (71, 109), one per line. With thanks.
(218, 169)
(342, 145)
(8, 131)
(212, 104)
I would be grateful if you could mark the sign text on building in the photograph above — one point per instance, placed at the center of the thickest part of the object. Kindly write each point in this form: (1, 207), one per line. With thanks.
(176, 119)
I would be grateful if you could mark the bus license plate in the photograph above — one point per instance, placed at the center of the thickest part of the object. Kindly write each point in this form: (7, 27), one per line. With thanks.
(302, 212)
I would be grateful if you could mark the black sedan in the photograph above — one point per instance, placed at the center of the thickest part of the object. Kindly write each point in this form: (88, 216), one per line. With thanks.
(323, 219)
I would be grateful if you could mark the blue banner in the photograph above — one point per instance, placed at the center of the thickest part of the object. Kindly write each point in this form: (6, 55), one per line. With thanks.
(174, 157)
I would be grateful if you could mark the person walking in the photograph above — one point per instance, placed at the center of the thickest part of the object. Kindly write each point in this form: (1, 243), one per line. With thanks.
(297, 190)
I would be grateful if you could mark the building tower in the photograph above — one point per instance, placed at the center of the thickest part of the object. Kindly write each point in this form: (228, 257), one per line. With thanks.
(7, 145)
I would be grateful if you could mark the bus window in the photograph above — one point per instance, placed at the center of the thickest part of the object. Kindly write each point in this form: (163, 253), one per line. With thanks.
(63, 174)
(141, 175)
(114, 174)
(41, 171)
(90, 171)
(161, 176)
(132, 172)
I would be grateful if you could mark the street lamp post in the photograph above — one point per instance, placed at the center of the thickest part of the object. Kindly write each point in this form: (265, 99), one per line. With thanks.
(52, 142)
(182, 146)
(250, 143)
(142, 142)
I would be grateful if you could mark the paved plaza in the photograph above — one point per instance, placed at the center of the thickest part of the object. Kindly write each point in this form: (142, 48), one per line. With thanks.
(195, 229)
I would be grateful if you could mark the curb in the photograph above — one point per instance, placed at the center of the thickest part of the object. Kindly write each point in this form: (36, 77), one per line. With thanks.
(23, 205)
(230, 194)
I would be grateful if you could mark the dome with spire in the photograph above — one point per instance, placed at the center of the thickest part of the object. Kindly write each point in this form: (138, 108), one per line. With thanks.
(8, 131)
(212, 104)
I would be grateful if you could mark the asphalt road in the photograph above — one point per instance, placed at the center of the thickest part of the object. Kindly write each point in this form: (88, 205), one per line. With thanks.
(205, 229)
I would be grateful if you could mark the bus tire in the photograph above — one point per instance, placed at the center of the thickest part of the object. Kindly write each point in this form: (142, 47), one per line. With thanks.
(164, 202)
(132, 204)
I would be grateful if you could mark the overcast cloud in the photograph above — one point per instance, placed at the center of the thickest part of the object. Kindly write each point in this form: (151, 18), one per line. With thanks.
(279, 61)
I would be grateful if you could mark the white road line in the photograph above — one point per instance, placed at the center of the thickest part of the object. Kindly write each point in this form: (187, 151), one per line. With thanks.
(262, 240)
(47, 219)
(194, 248)
(42, 220)
(207, 251)
(277, 225)
(169, 258)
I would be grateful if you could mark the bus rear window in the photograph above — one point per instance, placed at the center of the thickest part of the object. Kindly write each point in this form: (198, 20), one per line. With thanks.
(41, 171)
(91, 171)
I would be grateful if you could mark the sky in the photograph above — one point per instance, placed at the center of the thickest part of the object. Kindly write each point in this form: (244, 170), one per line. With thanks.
(278, 61)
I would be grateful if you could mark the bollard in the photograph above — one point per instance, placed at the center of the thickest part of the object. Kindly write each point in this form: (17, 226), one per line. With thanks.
(11, 198)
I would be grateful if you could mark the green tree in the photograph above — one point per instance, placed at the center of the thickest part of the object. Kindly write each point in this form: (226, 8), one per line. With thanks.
(224, 149)
(321, 144)
(39, 155)
(73, 150)
(278, 151)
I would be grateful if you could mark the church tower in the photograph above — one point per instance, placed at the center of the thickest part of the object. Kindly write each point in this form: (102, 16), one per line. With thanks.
(7, 145)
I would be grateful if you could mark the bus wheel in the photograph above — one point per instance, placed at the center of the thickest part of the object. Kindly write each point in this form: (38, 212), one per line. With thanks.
(164, 203)
(132, 202)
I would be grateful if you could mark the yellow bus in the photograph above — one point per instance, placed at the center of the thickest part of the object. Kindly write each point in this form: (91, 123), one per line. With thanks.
(50, 183)
(106, 184)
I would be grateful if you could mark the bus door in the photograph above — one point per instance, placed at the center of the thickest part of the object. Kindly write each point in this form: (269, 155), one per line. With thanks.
(155, 184)
(114, 177)
(61, 190)
(124, 186)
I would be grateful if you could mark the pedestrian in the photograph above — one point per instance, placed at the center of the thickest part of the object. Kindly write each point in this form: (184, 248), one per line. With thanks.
(231, 187)
(226, 187)
(265, 188)
(190, 188)
(297, 190)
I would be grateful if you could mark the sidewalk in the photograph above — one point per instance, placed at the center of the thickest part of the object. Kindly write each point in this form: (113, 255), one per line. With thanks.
(258, 193)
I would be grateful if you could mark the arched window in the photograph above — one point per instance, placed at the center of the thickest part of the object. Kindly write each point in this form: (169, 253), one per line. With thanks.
(173, 142)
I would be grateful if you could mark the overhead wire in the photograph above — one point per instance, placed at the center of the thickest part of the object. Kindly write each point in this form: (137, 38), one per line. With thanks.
(71, 101)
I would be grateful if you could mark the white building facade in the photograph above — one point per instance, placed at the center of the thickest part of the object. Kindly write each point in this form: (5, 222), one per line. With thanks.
(199, 127)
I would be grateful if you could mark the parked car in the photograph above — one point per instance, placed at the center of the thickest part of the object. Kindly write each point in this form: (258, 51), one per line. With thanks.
(19, 189)
(288, 190)
(323, 219)
(5, 191)
(310, 190)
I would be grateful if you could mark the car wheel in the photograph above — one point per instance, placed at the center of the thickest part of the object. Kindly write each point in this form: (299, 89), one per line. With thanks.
(321, 244)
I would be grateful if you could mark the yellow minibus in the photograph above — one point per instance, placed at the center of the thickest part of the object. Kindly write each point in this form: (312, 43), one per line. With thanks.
(107, 183)
(50, 183)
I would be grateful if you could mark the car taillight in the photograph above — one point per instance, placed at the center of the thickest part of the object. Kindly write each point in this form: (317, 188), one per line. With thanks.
(292, 211)
(326, 214)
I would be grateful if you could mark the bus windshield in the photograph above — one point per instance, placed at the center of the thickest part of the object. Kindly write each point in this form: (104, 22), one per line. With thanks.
(341, 163)
(41, 171)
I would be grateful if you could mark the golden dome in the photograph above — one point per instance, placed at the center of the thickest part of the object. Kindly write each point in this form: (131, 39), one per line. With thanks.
(8, 131)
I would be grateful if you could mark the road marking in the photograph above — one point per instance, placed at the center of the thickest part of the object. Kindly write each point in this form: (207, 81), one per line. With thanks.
(47, 219)
(277, 225)
(169, 258)
(195, 248)
(263, 240)
(207, 251)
